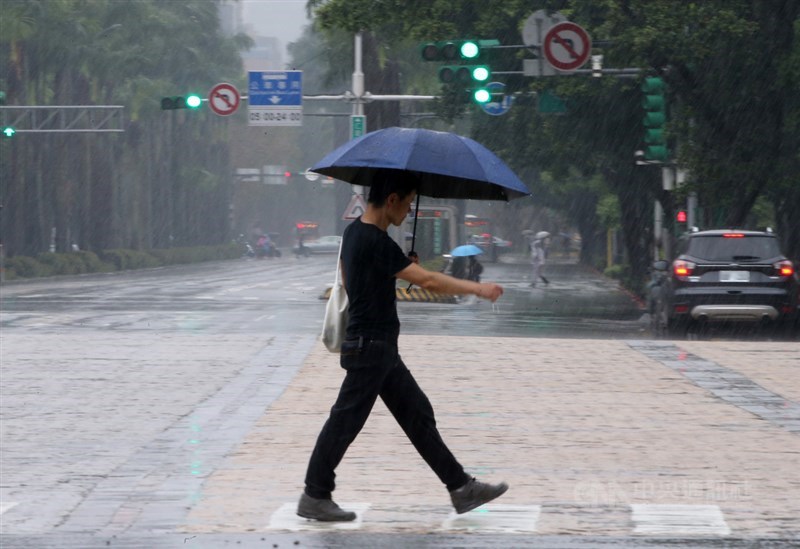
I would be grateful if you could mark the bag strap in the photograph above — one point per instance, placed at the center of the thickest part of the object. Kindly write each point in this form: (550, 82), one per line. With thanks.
(338, 262)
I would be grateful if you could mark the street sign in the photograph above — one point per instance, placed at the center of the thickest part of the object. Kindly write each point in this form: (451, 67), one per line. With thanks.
(537, 25)
(501, 106)
(275, 98)
(224, 99)
(355, 208)
(358, 125)
(566, 46)
(533, 32)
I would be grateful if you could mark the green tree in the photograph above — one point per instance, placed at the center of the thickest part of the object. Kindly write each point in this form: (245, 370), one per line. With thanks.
(166, 179)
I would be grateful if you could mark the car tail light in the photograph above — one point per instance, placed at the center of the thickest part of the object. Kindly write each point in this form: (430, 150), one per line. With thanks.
(733, 235)
(784, 268)
(681, 269)
(681, 309)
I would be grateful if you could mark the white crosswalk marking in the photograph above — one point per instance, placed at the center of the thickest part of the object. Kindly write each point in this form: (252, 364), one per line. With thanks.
(675, 520)
(285, 518)
(6, 505)
(648, 519)
(508, 519)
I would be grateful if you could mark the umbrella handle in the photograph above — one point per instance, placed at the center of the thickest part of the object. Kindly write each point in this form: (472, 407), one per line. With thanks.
(414, 236)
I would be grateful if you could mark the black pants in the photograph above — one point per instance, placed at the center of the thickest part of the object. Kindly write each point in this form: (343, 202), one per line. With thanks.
(374, 369)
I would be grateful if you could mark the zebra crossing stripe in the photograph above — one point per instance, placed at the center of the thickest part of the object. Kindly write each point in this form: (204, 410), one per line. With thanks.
(506, 519)
(648, 520)
(285, 518)
(672, 520)
(6, 505)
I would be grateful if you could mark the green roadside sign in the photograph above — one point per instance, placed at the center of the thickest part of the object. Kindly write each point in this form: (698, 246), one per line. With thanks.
(358, 125)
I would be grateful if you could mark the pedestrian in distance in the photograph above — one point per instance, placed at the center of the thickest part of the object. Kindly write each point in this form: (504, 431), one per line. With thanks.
(538, 259)
(474, 269)
(371, 262)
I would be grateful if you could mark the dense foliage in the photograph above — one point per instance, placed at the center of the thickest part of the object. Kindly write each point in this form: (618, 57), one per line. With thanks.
(732, 69)
(166, 180)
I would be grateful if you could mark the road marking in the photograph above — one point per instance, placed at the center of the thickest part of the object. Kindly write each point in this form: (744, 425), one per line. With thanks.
(6, 505)
(285, 518)
(673, 520)
(508, 519)
(725, 383)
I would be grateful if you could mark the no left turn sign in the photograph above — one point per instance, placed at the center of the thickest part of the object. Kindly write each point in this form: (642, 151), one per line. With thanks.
(566, 46)
(224, 99)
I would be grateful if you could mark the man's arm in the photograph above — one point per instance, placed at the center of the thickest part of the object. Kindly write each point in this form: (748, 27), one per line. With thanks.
(444, 284)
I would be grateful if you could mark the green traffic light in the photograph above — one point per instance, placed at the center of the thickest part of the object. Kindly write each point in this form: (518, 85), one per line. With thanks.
(8, 131)
(482, 95)
(653, 84)
(480, 73)
(193, 101)
(469, 50)
(656, 152)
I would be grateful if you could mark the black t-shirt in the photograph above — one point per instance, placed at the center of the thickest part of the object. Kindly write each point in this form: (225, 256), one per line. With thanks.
(371, 259)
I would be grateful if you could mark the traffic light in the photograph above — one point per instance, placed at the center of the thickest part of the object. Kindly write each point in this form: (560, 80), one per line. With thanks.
(471, 79)
(680, 217)
(455, 50)
(191, 101)
(464, 74)
(9, 131)
(481, 95)
(655, 118)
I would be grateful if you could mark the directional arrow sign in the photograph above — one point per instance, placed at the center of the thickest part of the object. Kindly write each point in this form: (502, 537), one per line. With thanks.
(355, 208)
(275, 98)
(566, 46)
(224, 99)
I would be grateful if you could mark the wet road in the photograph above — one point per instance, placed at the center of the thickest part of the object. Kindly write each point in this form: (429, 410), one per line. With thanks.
(104, 376)
(283, 296)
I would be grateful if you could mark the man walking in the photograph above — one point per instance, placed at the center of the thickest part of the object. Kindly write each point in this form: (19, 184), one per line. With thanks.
(371, 263)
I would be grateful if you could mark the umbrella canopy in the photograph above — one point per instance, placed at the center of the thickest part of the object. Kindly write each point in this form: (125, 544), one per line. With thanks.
(466, 251)
(447, 165)
(541, 234)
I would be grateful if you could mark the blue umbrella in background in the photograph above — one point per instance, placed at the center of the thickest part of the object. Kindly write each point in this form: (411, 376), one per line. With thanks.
(466, 250)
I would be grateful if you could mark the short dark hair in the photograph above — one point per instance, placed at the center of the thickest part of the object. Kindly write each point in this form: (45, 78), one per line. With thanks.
(385, 183)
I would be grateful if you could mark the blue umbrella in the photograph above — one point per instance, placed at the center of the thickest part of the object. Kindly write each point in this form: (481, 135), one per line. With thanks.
(447, 165)
(466, 250)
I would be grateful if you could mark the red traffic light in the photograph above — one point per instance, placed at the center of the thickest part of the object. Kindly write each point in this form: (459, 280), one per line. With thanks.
(680, 217)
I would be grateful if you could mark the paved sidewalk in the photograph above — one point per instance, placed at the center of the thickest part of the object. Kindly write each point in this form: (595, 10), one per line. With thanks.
(592, 436)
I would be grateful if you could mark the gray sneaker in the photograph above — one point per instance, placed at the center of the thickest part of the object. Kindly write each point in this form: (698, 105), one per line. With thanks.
(474, 494)
(324, 510)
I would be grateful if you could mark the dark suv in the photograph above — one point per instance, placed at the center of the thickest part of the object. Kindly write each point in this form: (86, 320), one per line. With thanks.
(725, 276)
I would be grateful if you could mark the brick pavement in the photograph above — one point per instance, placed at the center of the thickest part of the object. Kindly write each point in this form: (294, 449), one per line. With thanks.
(582, 428)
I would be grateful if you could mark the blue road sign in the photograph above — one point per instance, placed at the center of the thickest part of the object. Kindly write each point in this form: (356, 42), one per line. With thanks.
(275, 98)
(497, 107)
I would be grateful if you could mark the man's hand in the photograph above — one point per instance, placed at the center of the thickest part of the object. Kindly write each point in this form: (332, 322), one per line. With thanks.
(490, 291)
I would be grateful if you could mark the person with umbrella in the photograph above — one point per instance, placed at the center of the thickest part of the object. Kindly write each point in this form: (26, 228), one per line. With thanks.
(538, 257)
(371, 262)
(470, 267)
